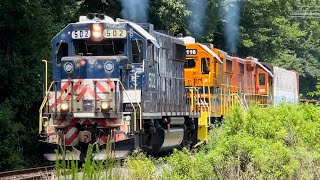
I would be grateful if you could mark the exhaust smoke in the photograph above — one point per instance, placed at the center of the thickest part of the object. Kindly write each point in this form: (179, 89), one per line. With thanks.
(231, 12)
(197, 8)
(135, 10)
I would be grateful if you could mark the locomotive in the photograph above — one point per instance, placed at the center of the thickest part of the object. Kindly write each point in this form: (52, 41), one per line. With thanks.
(125, 84)
(222, 81)
(115, 82)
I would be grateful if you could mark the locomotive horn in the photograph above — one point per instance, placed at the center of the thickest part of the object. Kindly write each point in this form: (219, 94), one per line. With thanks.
(101, 16)
(90, 16)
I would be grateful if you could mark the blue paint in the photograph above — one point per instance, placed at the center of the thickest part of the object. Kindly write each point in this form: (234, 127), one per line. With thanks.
(97, 70)
(90, 71)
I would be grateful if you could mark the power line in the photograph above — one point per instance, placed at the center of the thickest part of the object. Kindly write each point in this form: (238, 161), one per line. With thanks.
(307, 12)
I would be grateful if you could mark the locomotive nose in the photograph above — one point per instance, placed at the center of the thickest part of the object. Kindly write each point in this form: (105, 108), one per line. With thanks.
(92, 67)
(89, 84)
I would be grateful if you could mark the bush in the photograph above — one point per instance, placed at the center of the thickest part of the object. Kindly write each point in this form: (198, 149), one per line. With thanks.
(279, 142)
(271, 143)
(140, 167)
(186, 165)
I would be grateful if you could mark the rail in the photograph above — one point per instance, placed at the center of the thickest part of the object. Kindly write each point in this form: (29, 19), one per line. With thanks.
(26, 171)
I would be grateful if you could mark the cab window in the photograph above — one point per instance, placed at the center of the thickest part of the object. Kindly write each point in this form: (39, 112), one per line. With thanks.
(103, 48)
(205, 65)
(137, 51)
(150, 55)
(262, 79)
(62, 51)
(191, 63)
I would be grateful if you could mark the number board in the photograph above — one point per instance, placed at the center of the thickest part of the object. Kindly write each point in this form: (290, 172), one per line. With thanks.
(127, 107)
(81, 34)
(114, 33)
(192, 51)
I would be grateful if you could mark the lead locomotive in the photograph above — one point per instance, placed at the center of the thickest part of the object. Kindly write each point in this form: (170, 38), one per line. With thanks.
(118, 83)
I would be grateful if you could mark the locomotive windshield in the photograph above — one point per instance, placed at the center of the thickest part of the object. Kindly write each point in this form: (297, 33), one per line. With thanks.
(191, 63)
(103, 48)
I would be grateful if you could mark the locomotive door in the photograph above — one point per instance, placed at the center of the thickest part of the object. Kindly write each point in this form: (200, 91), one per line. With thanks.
(261, 81)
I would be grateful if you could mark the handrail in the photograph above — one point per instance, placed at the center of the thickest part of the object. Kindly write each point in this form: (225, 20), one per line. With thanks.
(46, 75)
(41, 107)
(134, 109)
(46, 97)
(244, 106)
(135, 91)
(192, 100)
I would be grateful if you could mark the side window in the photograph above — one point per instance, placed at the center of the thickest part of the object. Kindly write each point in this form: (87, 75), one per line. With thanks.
(137, 51)
(191, 63)
(150, 55)
(162, 60)
(241, 68)
(262, 79)
(62, 51)
(229, 66)
(205, 65)
(180, 52)
(156, 54)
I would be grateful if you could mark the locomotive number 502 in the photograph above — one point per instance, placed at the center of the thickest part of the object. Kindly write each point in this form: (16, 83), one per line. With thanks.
(81, 34)
(115, 33)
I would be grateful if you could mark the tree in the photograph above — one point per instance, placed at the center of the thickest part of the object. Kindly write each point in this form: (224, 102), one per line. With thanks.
(111, 8)
(26, 29)
(169, 15)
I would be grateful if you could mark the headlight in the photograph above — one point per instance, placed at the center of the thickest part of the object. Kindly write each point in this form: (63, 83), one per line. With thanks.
(96, 27)
(105, 106)
(64, 106)
(97, 32)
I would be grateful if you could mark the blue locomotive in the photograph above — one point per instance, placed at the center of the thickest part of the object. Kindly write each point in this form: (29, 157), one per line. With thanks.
(115, 82)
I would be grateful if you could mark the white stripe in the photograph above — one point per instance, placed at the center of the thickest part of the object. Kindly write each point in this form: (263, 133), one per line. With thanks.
(211, 52)
(72, 131)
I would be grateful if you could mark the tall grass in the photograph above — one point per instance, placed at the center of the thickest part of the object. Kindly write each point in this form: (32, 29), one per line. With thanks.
(279, 142)
(90, 169)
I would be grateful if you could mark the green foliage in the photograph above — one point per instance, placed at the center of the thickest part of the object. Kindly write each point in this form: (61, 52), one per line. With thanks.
(90, 169)
(140, 166)
(169, 15)
(184, 165)
(26, 28)
(111, 8)
(316, 92)
(272, 143)
(11, 147)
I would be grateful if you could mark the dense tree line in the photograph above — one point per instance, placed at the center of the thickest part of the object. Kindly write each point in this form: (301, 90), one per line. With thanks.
(266, 30)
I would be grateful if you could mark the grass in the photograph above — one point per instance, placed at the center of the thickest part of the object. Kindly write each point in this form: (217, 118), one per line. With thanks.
(279, 142)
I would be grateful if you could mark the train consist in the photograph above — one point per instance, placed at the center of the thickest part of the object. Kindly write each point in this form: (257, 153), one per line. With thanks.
(126, 85)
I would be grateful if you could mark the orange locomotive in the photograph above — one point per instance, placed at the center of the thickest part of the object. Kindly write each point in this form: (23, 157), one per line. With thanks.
(219, 81)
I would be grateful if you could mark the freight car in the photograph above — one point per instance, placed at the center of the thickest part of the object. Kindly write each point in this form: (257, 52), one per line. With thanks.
(115, 82)
(285, 85)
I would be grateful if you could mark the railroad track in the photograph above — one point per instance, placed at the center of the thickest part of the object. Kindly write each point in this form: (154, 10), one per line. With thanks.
(28, 174)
